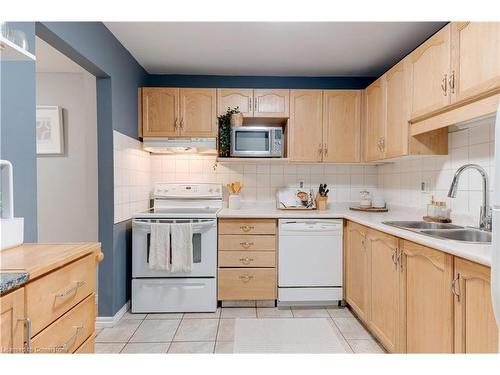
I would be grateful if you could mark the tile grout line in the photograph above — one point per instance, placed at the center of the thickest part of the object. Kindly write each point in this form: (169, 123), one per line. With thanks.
(217, 331)
(132, 335)
(175, 333)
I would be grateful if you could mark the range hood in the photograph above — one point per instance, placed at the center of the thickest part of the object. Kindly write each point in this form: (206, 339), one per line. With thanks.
(164, 145)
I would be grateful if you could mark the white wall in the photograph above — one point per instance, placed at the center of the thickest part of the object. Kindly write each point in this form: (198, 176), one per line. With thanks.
(67, 184)
(400, 181)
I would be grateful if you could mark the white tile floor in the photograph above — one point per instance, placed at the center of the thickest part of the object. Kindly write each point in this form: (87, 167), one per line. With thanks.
(214, 332)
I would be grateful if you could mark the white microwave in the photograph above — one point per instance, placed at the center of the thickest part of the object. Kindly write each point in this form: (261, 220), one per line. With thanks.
(257, 142)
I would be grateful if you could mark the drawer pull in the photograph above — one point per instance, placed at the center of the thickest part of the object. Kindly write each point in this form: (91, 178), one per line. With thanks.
(71, 341)
(246, 245)
(71, 290)
(245, 278)
(246, 260)
(246, 228)
(28, 333)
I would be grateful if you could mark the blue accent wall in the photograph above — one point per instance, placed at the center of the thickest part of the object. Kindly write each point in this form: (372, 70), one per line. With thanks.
(17, 122)
(94, 47)
(258, 82)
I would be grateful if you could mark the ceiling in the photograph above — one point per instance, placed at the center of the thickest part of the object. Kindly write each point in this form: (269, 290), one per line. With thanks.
(50, 60)
(271, 48)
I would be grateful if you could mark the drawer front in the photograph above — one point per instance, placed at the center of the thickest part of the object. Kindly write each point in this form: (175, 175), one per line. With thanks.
(88, 347)
(52, 295)
(247, 284)
(244, 226)
(68, 332)
(250, 242)
(247, 259)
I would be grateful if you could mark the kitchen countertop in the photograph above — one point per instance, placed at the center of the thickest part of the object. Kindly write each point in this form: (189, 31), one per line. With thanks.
(478, 253)
(26, 262)
(11, 280)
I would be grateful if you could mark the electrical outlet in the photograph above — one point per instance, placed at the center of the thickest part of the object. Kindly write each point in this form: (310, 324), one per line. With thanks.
(301, 184)
(425, 186)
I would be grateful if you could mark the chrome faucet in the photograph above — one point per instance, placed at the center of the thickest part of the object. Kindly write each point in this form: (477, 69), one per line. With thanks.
(485, 213)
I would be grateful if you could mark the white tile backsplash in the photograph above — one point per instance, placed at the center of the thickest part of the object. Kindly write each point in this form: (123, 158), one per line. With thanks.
(400, 181)
(132, 176)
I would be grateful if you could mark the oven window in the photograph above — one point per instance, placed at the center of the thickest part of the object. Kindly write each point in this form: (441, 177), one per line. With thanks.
(196, 247)
(252, 141)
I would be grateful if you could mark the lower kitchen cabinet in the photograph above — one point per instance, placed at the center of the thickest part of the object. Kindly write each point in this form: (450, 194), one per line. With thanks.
(357, 269)
(475, 326)
(427, 298)
(384, 315)
(12, 322)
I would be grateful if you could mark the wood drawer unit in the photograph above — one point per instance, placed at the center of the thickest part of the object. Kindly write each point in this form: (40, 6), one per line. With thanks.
(231, 242)
(247, 259)
(52, 295)
(88, 347)
(68, 332)
(247, 226)
(247, 283)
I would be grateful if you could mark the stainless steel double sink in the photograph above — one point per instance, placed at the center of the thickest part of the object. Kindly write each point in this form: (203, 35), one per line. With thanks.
(444, 231)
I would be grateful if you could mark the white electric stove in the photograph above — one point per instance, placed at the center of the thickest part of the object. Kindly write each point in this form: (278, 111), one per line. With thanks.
(164, 291)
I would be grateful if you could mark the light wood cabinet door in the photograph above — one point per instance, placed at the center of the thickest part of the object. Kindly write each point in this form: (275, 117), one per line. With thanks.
(160, 112)
(375, 120)
(271, 103)
(342, 126)
(241, 98)
(11, 322)
(357, 270)
(475, 59)
(428, 299)
(384, 281)
(430, 69)
(306, 128)
(475, 326)
(198, 112)
(397, 111)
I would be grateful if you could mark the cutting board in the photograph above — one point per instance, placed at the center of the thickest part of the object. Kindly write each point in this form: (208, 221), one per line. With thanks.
(369, 209)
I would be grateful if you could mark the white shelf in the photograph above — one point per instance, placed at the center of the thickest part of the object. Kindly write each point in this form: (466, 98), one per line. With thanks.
(10, 51)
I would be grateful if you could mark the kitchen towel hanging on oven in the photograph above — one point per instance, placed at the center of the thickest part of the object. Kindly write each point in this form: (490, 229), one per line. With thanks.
(159, 247)
(182, 247)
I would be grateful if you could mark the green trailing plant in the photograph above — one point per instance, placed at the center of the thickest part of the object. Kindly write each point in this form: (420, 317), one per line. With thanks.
(225, 131)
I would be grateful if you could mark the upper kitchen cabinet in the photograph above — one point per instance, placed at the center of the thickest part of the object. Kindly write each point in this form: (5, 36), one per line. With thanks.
(306, 131)
(429, 69)
(375, 120)
(160, 112)
(271, 103)
(198, 116)
(475, 59)
(232, 98)
(475, 327)
(342, 126)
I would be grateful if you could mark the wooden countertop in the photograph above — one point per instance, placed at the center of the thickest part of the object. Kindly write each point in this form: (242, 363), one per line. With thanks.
(38, 259)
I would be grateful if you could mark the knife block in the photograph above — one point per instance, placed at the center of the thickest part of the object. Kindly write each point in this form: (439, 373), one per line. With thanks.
(321, 202)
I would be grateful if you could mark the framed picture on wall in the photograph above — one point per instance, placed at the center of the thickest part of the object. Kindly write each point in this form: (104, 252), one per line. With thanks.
(49, 130)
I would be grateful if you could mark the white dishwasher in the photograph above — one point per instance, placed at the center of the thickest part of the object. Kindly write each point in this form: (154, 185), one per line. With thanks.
(310, 262)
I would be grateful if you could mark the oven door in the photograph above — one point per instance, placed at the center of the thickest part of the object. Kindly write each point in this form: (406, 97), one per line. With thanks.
(251, 142)
(204, 248)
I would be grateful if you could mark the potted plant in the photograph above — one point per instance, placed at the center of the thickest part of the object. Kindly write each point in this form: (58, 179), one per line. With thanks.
(225, 131)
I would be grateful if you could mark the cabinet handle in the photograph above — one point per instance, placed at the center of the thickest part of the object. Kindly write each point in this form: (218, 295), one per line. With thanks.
(176, 124)
(451, 82)
(245, 278)
(73, 290)
(70, 342)
(326, 149)
(249, 104)
(444, 85)
(320, 149)
(454, 287)
(395, 258)
(246, 228)
(382, 143)
(246, 260)
(28, 333)
(256, 104)
(246, 245)
(182, 124)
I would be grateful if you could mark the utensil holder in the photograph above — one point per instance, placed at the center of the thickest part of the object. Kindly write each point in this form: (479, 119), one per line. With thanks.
(321, 202)
(234, 202)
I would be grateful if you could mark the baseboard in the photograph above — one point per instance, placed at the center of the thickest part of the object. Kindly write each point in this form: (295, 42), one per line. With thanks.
(111, 321)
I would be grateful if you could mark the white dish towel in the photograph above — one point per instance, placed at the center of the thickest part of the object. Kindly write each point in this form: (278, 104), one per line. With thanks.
(159, 247)
(182, 247)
